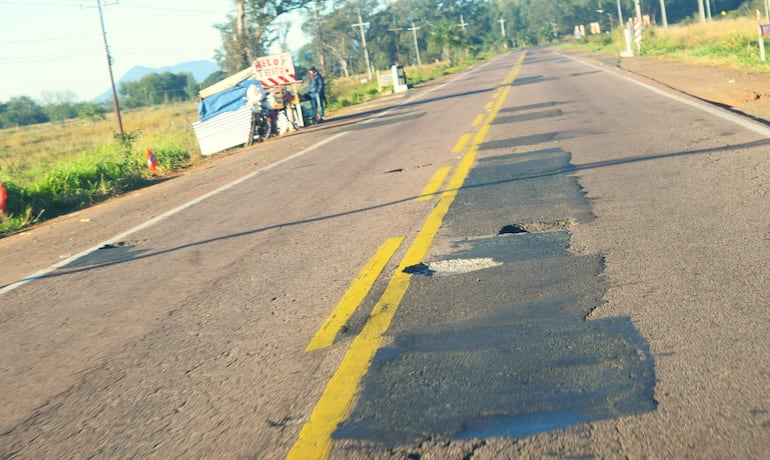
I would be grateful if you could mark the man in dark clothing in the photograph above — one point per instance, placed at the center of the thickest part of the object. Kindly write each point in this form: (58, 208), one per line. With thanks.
(315, 90)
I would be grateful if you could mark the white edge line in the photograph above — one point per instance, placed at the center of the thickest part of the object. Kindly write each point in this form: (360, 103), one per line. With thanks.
(221, 189)
(737, 119)
(165, 215)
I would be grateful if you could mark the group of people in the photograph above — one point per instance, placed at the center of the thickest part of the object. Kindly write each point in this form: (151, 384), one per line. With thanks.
(315, 91)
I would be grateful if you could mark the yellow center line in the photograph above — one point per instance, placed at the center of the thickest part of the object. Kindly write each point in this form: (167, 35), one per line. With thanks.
(355, 294)
(460, 146)
(314, 440)
(435, 183)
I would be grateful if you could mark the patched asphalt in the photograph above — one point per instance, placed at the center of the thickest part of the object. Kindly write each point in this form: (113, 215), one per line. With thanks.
(504, 348)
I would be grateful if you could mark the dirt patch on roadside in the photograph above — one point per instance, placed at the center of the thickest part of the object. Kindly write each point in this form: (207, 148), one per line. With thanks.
(745, 92)
(738, 90)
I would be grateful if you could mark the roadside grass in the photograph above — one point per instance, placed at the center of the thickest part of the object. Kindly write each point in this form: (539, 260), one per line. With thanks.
(344, 92)
(55, 168)
(731, 41)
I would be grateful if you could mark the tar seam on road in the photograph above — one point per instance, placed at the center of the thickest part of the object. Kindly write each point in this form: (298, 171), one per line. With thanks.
(337, 399)
(738, 120)
(355, 294)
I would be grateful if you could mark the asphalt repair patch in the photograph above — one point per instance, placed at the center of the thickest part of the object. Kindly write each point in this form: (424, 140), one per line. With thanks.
(504, 350)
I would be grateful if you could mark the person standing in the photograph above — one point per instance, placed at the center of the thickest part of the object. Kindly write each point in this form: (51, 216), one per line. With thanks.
(315, 90)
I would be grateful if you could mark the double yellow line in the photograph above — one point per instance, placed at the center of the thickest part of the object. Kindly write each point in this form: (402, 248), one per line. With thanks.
(314, 440)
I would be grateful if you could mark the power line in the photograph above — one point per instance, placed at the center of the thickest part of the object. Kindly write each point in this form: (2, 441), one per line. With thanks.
(44, 40)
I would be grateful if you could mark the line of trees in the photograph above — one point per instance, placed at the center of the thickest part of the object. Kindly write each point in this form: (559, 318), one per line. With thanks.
(409, 31)
(23, 111)
(152, 89)
(396, 31)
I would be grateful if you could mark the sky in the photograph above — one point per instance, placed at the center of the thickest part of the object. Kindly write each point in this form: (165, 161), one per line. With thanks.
(53, 47)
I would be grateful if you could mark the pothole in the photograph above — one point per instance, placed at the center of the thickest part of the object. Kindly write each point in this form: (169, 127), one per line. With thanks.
(451, 266)
(122, 244)
(535, 227)
(512, 229)
(400, 170)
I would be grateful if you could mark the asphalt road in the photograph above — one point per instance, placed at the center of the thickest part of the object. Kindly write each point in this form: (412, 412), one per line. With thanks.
(540, 257)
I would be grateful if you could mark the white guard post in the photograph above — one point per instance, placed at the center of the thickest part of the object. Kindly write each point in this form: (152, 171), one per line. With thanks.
(399, 79)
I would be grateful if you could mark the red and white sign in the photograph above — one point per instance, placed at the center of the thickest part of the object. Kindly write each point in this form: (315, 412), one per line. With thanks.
(274, 70)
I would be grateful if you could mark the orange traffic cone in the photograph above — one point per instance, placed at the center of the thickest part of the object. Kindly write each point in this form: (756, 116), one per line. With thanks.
(152, 162)
(3, 200)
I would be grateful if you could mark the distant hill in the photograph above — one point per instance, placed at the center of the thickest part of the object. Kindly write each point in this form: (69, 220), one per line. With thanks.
(199, 70)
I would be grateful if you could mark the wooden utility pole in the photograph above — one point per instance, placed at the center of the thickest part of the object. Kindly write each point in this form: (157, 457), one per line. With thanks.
(462, 23)
(395, 31)
(109, 66)
(701, 11)
(362, 25)
(414, 30)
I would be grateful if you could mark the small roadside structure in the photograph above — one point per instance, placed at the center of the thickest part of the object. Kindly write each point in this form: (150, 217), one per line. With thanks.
(226, 113)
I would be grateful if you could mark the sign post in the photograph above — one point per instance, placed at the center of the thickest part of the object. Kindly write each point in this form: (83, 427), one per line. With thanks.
(764, 29)
(274, 70)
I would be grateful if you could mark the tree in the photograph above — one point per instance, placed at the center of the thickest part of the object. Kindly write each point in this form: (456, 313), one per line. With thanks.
(158, 88)
(250, 31)
(91, 111)
(214, 78)
(21, 111)
(445, 35)
(60, 105)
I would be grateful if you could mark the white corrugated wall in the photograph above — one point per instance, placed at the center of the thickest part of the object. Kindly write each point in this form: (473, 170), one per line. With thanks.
(223, 131)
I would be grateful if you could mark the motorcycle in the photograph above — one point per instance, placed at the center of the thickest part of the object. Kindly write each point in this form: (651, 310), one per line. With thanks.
(263, 116)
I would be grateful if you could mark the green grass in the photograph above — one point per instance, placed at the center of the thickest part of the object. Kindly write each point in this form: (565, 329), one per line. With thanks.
(730, 41)
(55, 168)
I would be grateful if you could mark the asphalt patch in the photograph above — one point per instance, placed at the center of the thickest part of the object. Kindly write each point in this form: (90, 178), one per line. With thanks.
(505, 350)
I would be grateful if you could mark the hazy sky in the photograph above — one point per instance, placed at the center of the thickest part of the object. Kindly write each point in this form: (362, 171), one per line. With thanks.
(50, 46)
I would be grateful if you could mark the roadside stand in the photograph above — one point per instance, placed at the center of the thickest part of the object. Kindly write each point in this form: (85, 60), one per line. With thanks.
(227, 113)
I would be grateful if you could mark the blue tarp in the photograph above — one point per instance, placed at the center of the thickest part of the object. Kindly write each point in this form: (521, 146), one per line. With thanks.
(228, 100)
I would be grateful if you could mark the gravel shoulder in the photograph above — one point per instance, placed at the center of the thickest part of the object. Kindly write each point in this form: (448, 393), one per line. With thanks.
(743, 92)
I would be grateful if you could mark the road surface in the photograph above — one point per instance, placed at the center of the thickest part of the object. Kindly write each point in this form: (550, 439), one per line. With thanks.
(540, 257)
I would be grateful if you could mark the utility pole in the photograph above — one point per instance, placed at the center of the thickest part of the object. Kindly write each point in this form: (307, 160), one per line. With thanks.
(361, 25)
(502, 26)
(701, 11)
(462, 23)
(638, 9)
(663, 16)
(414, 30)
(109, 67)
(620, 15)
(395, 31)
